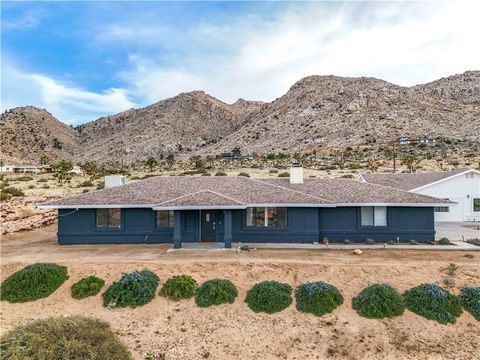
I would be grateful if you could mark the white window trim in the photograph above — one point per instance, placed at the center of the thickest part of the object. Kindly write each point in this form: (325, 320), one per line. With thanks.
(373, 214)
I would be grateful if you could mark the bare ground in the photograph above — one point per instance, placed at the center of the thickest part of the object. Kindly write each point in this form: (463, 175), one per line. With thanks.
(180, 330)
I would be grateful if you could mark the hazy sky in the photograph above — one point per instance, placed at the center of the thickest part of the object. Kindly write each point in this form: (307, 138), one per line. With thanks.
(83, 60)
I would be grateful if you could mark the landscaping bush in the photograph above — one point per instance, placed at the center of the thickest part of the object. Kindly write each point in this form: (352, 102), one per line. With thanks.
(86, 287)
(470, 300)
(347, 241)
(74, 337)
(269, 297)
(444, 241)
(370, 241)
(33, 282)
(221, 173)
(378, 301)
(13, 191)
(133, 289)
(413, 242)
(179, 287)
(433, 303)
(318, 298)
(216, 292)
(24, 178)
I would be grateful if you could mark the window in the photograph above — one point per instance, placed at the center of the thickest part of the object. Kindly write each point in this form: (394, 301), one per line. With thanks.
(108, 218)
(441, 209)
(164, 218)
(266, 217)
(373, 216)
(476, 205)
(470, 176)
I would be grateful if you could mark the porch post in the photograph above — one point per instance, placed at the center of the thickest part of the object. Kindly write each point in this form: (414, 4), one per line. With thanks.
(177, 229)
(227, 235)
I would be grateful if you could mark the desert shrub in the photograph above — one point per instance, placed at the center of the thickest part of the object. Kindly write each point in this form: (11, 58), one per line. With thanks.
(392, 242)
(449, 281)
(179, 287)
(452, 269)
(42, 180)
(444, 241)
(221, 173)
(216, 292)
(45, 187)
(33, 282)
(413, 242)
(470, 300)
(134, 289)
(318, 298)
(13, 191)
(473, 241)
(24, 178)
(347, 241)
(74, 337)
(378, 301)
(246, 248)
(86, 183)
(101, 185)
(5, 196)
(244, 174)
(269, 297)
(370, 241)
(284, 174)
(86, 287)
(205, 174)
(433, 303)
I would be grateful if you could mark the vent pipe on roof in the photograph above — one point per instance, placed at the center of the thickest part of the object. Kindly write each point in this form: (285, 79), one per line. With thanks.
(115, 180)
(296, 173)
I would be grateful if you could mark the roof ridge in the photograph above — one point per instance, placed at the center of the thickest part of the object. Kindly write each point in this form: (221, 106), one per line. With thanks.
(199, 192)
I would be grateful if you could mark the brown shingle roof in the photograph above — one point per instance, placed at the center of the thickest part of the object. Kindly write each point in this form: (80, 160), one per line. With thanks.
(409, 181)
(184, 191)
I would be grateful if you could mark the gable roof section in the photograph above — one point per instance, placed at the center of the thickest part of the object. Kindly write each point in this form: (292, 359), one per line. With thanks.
(182, 192)
(411, 181)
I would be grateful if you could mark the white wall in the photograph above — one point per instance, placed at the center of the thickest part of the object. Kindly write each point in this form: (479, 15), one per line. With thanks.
(459, 189)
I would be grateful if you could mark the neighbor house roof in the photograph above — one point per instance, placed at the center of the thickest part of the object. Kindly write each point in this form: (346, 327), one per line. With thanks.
(410, 181)
(188, 192)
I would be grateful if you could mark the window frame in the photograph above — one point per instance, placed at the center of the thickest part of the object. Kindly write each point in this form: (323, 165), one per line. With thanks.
(473, 204)
(108, 227)
(266, 225)
(171, 219)
(374, 226)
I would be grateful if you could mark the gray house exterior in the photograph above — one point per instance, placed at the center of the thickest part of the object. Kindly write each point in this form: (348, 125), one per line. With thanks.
(237, 209)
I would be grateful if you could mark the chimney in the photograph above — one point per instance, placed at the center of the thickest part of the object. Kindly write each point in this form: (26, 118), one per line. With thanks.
(115, 180)
(296, 173)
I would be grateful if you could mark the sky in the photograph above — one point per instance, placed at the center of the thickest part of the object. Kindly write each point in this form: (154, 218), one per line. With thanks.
(84, 60)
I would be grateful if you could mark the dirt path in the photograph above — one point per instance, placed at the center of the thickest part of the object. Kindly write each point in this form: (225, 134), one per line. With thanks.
(180, 330)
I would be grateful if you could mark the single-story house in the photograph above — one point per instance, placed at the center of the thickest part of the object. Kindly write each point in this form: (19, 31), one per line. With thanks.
(178, 209)
(461, 186)
(20, 169)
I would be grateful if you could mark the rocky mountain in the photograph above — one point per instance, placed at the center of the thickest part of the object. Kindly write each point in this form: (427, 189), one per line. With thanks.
(317, 111)
(27, 133)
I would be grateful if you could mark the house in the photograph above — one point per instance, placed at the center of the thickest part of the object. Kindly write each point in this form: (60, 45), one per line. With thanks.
(462, 186)
(26, 169)
(178, 209)
(6, 169)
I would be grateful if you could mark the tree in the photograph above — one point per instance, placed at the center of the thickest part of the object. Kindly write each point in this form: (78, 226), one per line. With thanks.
(197, 162)
(151, 162)
(61, 171)
(372, 165)
(91, 169)
(44, 160)
(410, 161)
(170, 160)
(236, 151)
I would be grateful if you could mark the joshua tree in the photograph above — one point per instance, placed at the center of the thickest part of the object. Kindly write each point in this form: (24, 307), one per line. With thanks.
(197, 162)
(410, 161)
(44, 160)
(61, 171)
(91, 169)
(151, 162)
(170, 159)
(372, 165)
(236, 151)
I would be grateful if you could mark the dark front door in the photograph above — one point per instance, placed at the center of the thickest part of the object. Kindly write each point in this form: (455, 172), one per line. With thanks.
(208, 225)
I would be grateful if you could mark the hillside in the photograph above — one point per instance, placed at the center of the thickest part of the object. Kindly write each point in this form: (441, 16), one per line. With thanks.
(317, 111)
(27, 133)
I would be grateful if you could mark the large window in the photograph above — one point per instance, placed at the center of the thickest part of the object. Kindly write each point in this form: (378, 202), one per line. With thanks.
(164, 218)
(374, 216)
(476, 205)
(266, 217)
(108, 218)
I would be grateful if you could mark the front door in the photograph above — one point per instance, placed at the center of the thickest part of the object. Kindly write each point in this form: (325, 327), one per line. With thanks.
(208, 225)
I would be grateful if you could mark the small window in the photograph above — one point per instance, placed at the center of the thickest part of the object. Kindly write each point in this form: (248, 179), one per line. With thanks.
(266, 217)
(164, 218)
(373, 216)
(108, 218)
(470, 175)
(476, 205)
(441, 209)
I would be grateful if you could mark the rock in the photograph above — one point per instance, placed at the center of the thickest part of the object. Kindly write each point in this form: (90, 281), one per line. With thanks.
(358, 252)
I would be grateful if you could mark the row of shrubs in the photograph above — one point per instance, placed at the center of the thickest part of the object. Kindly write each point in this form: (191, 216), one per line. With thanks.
(138, 288)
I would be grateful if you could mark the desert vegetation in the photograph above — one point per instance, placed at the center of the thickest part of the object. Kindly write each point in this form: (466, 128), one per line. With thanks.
(317, 298)
(378, 301)
(269, 297)
(216, 292)
(89, 286)
(179, 287)
(470, 300)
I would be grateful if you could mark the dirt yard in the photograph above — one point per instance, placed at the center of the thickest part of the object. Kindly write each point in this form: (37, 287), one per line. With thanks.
(180, 330)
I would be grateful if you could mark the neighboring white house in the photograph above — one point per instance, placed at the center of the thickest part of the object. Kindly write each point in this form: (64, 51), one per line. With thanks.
(6, 169)
(461, 186)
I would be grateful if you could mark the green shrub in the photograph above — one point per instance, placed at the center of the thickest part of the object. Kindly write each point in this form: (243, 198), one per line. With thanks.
(470, 300)
(86, 183)
(5, 196)
(221, 173)
(392, 242)
(31, 186)
(378, 301)
(216, 292)
(13, 191)
(179, 287)
(24, 178)
(246, 248)
(45, 187)
(318, 298)
(86, 287)
(433, 303)
(413, 242)
(444, 241)
(284, 174)
(347, 241)
(370, 241)
(42, 180)
(33, 282)
(133, 289)
(244, 174)
(101, 185)
(269, 297)
(74, 337)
